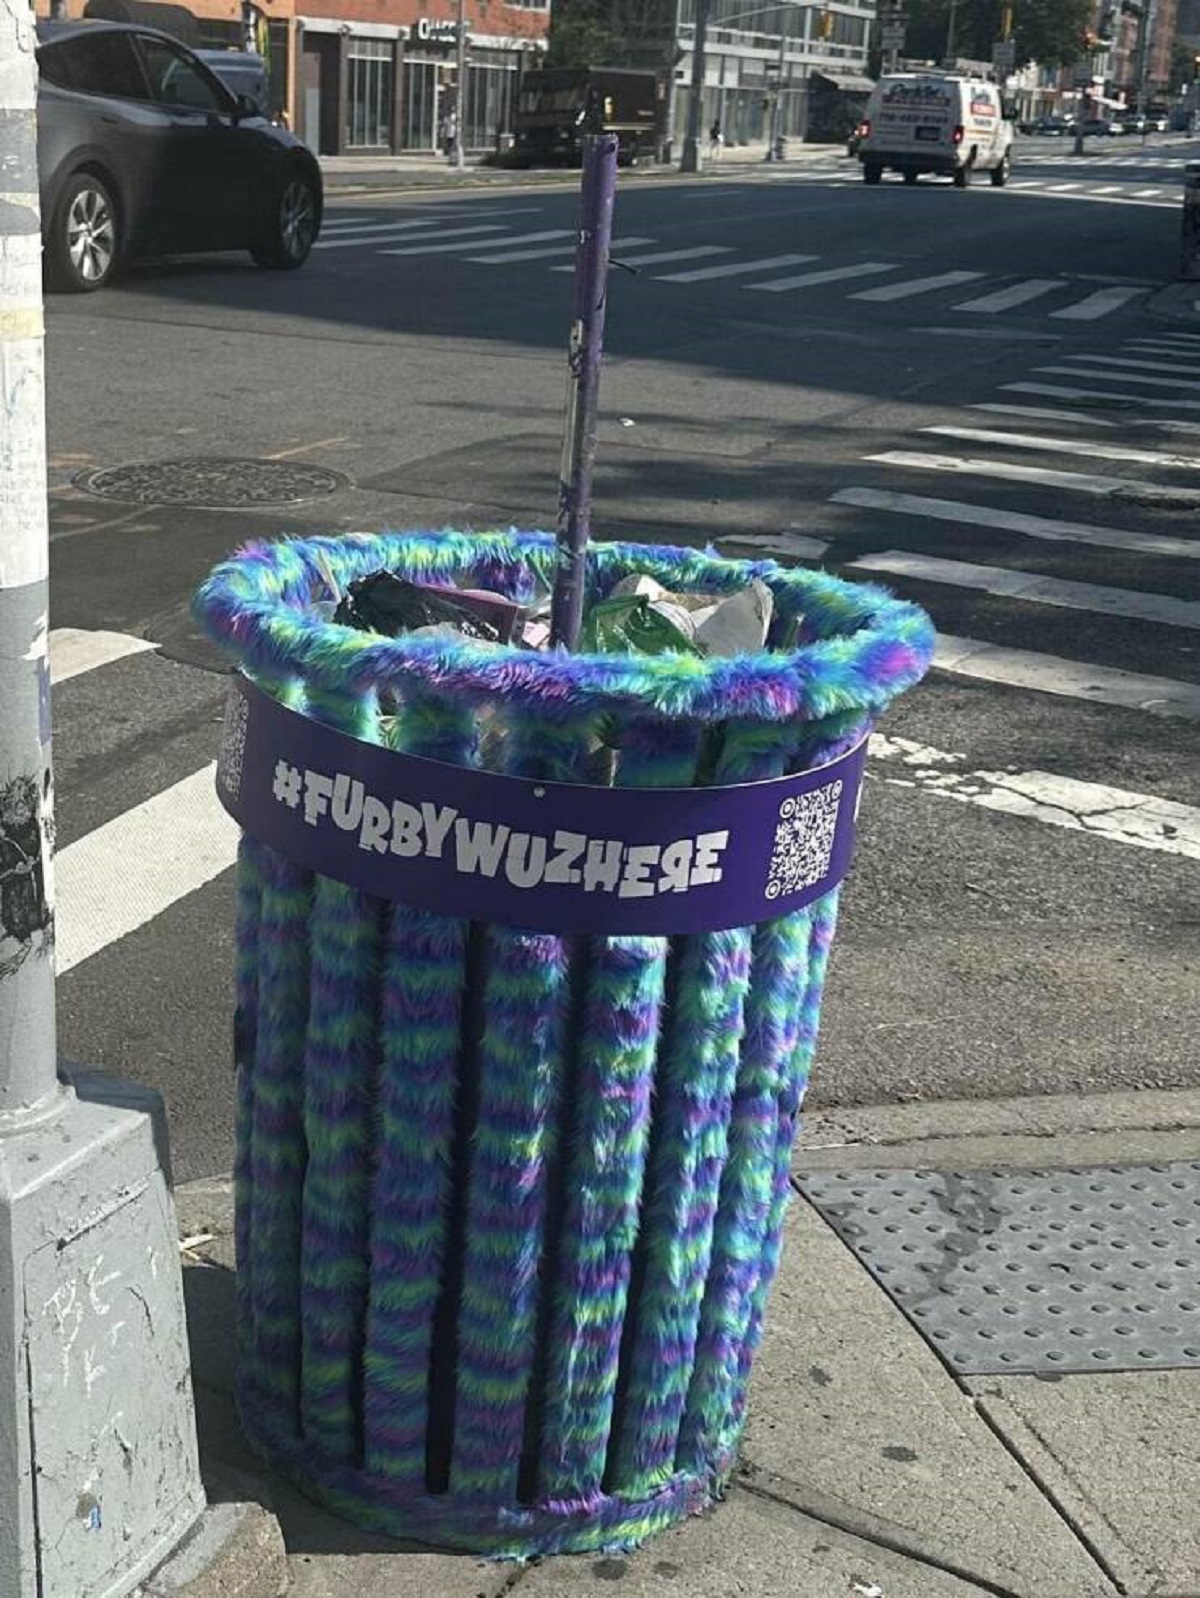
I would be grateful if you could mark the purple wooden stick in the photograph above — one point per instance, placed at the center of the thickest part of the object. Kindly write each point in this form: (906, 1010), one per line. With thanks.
(583, 386)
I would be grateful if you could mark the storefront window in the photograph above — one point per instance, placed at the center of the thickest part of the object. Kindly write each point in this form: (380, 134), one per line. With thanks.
(420, 105)
(489, 104)
(370, 93)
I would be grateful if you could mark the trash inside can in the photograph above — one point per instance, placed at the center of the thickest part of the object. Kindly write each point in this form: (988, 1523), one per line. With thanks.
(520, 1046)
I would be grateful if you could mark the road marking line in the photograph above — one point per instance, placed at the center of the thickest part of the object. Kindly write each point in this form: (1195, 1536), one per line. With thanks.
(1101, 303)
(1132, 362)
(423, 230)
(303, 449)
(1170, 353)
(1080, 482)
(1091, 374)
(1146, 194)
(74, 650)
(429, 218)
(1067, 446)
(1110, 188)
(666, 255)
(549, 249)
(473, 244)
(1161, 609)
(1015, 294)
(795, 545)
(920, 285)
(1117, 815)
(1037, 413)
(1072, 679)
(1055, 391)
(832, 275)
(125, 873)
(703, 274)
(1061, 188)
(90, 526)
(1011, 521)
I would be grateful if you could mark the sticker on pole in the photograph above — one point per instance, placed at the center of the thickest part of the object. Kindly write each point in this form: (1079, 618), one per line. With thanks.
(549, 856)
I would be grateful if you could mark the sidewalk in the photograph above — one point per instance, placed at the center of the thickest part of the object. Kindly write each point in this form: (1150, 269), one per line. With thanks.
(870, 1467)
(351, 174)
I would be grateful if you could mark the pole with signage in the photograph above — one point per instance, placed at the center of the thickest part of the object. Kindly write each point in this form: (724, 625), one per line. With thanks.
(690, 159)
(893, 25)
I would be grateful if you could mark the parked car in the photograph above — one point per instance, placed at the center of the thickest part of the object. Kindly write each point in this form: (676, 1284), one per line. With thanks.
(1099, 128)
(1053, 127)
(142, 150)
(1130, 122)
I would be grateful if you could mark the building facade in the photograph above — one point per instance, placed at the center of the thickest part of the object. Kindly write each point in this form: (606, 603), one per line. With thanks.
(368, 77)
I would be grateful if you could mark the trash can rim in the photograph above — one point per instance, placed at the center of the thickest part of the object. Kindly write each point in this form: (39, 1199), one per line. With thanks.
(869, 645)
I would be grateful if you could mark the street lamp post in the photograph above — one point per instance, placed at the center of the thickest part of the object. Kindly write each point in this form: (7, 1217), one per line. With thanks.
(689, 160)
(951, 33)
(460, 110)
(99, 1475)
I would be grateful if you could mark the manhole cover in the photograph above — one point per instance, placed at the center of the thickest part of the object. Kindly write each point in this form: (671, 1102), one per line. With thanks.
(212, 482)
(1037, 1271)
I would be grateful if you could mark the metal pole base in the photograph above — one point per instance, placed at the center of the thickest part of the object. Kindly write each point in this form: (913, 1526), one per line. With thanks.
(99, 1473)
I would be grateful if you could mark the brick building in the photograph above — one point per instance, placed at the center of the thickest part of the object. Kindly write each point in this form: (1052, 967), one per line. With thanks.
(364, 76)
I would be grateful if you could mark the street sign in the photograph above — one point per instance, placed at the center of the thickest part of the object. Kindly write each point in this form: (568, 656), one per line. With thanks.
(1083, 74)
(891, 36)
(1004, 55)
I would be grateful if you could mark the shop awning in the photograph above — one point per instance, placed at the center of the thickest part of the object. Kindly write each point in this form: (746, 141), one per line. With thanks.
(178, 21)
(849, 82)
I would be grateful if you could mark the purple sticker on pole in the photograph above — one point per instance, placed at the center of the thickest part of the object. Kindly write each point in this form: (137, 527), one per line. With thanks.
(549, 856)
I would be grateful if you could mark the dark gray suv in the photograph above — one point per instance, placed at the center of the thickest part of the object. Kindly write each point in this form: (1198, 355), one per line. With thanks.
(143, 151)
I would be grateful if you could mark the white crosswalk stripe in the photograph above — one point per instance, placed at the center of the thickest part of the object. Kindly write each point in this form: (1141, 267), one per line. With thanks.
(833, 275)
(441, 248)
(1016, 294)
(1059, 391)
(548, 250)
(1076, 482)
(1074, 679)
(1099, 304)
(1066, 446)
(920, 285)
(706, 274)
(1096, 369)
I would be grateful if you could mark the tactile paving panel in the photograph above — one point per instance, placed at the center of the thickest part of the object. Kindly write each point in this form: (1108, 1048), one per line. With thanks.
(1029, 1271)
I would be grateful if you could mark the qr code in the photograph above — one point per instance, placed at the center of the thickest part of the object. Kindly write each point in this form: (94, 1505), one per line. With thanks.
(804, 837)
(233, 744)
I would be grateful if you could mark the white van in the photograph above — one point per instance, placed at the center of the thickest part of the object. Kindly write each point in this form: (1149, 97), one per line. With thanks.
(935, 122)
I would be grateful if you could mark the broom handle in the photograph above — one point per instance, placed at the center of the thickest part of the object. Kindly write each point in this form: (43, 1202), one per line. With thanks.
(583, 387)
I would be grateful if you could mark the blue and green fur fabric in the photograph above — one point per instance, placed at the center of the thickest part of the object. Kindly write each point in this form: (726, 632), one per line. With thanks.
(510, 1203)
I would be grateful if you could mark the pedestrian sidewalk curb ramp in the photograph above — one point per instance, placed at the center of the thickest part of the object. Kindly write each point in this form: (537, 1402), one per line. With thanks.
(927, 1482)
(236, 1551)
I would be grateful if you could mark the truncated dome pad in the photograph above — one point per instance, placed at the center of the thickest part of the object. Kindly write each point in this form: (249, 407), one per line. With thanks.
(1073, 1270)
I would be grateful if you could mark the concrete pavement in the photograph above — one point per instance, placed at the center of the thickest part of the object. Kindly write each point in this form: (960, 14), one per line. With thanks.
(871, 1465)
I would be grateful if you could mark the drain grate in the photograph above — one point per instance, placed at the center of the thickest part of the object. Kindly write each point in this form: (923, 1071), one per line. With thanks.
(1032, 1271)
(212, 482)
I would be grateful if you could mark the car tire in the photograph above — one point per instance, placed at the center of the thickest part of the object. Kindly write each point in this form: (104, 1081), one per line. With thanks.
(910, 177)
(293, 227)
(1001, 174)
(962, 176)
(872, 171)
(83, 247)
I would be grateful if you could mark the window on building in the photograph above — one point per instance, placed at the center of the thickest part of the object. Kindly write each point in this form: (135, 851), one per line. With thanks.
(370, 93)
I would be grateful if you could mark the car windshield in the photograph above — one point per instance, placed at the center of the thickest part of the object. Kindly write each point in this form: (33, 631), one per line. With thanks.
(175, 79)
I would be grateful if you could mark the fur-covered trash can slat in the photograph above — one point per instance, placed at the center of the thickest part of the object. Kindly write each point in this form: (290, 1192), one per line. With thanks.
(510, 1196)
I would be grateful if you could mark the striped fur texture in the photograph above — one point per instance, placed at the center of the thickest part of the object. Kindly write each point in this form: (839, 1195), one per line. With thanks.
(510, 1204)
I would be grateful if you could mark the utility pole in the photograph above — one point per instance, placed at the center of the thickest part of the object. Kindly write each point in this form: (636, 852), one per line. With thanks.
(99, 1477)
(777, 103)
(460, 109)
(951, 34)
(690, 158)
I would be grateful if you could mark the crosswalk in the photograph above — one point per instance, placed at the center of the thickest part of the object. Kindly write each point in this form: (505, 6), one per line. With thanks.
(496, 240)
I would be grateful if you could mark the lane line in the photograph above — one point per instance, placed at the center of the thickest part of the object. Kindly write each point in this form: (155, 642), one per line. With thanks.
(1123, 361)
(1016, 294)
(1068, 446)
(1056, 391)
(797, 546)
(1071, 679)
(125, 873)
(430, 217)
(1044, 414)
(74, 650)
(1095, 370)
(666, 255)
(1011, 521)
(1118, 815)
(548, 250)
(920, 285)
(1102, 303)
(1003, 582)
(832, 275)
(473, 244)
(704, 274)
(1076, 481)
(1147, 194)
(427, 230)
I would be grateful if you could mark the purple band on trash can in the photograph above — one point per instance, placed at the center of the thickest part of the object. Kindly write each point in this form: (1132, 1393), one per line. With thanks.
(554, 857)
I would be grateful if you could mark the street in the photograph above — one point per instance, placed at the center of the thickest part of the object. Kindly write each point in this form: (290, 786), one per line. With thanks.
(967, 396)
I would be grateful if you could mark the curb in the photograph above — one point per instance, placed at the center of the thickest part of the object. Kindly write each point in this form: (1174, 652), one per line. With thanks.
(236, 1551)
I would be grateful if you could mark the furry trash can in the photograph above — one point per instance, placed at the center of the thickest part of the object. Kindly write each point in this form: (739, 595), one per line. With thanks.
(509, 1201)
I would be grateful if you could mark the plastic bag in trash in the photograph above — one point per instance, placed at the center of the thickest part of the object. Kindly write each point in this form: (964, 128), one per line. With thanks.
(384, 603)
(628, 624)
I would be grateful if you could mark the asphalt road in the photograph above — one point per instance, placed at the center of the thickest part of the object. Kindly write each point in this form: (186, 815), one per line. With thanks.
(777, 357)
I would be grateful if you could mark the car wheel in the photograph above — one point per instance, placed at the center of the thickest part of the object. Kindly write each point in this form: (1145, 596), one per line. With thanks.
(872, 171)
(1000, 174)
(910, 177)
(962, 177)
(84, 243)
(293, 229)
